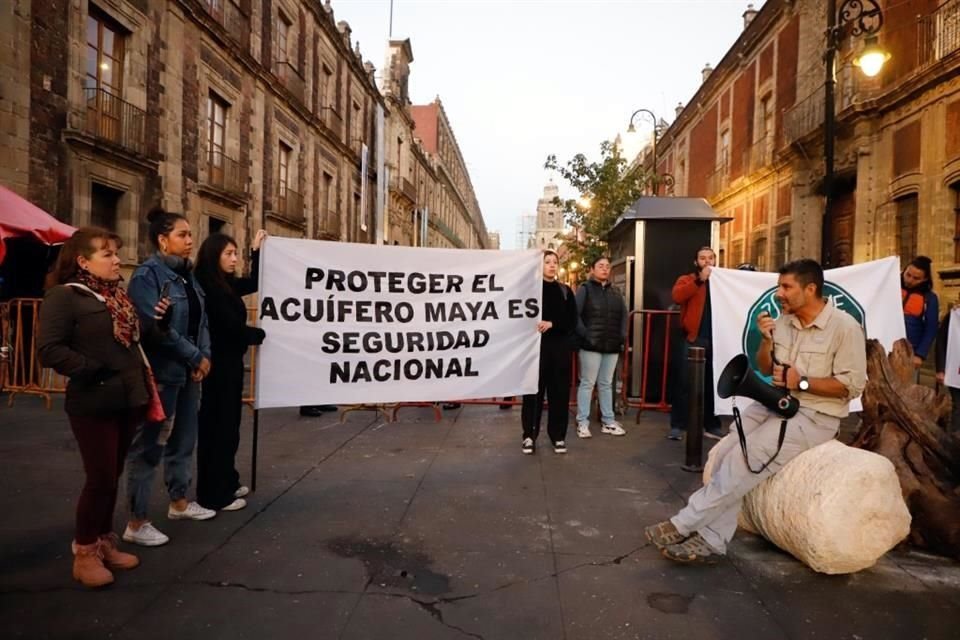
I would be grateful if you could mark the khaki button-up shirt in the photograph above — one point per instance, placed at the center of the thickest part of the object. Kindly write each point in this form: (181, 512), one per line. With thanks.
(832, 346)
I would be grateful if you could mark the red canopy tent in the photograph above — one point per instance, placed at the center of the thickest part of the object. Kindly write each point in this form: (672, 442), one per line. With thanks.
(19, 218)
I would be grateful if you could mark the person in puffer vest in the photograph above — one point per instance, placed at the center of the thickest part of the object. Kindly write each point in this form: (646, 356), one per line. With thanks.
(602, 328)
(921, 307)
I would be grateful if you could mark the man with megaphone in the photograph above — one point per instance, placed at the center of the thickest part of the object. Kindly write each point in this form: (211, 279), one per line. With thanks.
(816, 355)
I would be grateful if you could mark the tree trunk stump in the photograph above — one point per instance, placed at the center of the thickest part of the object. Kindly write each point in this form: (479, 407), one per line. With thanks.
(908, 424)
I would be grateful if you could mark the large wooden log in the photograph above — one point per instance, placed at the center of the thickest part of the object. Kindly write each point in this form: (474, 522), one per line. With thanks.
(906, 423)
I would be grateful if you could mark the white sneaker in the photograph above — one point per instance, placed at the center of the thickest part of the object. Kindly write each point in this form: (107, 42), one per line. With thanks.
(583, 430)
(614, 429)
(146, 536)
(527, 446)
(193, 512)
(236, 505)
(241, 492)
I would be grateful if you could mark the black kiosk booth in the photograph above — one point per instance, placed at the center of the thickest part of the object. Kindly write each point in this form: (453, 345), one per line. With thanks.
(652, 244)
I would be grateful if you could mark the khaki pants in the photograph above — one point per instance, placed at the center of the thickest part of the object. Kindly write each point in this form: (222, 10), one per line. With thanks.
(712, 511)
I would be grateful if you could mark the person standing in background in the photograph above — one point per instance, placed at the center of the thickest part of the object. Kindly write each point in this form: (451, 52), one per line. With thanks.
(692, 292)
(921, 307)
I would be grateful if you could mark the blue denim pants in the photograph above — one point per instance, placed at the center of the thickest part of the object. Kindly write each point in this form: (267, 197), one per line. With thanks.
(172, 440)
(596, 369)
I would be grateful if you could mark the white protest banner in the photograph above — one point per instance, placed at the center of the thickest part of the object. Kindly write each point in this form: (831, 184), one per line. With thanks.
(951, 372)
(870, 292)
(355, 323)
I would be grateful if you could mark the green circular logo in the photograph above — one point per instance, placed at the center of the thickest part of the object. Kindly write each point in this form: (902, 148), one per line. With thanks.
(835, 295)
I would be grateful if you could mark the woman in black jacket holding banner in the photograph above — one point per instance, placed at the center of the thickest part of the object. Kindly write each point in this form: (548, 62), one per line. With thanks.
(218, 483)
(557, 326)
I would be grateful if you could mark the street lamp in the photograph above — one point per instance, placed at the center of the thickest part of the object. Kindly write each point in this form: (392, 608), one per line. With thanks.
(656, 178)
(860, 18)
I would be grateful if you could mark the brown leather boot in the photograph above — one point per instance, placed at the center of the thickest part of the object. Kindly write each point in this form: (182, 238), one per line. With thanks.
(113, 557)
(88, 566)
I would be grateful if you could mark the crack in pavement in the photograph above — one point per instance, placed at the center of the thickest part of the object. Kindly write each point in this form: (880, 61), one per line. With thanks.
(431, 607)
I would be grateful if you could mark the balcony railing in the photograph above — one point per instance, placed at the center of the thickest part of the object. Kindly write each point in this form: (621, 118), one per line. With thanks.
(115, 120)
(224, 173)
(328, 224)
(289, 205)
(719, 180)
(234, 20)
(939, 34)
(291, 79)
(759, 155)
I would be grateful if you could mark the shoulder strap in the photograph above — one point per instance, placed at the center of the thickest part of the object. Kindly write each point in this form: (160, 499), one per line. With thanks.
(83, 287)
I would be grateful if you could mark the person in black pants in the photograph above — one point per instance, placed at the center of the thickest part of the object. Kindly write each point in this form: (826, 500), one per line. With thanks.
(218, 483)
(557, 327)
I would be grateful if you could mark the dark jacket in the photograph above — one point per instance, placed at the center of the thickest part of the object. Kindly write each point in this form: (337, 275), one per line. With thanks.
(560, 308)
(921, 312)
(602, 315)
(76, 340)
(174, 355)
(227, 315)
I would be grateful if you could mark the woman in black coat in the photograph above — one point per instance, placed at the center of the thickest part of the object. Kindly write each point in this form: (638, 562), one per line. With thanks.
(557, 327)
(218, 483)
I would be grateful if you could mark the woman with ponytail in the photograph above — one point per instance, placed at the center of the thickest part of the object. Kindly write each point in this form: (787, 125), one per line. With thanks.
(180, 361)
(218, 483)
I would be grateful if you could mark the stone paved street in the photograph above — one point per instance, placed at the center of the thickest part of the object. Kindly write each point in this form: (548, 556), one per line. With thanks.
(366, 530)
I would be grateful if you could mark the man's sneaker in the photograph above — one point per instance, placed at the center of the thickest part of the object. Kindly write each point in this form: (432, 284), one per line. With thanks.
(527, 447)
(583, 430)
(236, 505)
(559, 446)
(146, 536)
(193, 512)
(241, 492)
(613, 429)
(715, 433)
(675, 434)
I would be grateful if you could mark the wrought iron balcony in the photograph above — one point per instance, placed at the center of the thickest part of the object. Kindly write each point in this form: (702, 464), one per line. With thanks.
(114, 120)
(328, 225)
(289, 205)
(229, 14)
(719, 180)
(759, 155)
(225, 173)
(291, 79)
(939, 34)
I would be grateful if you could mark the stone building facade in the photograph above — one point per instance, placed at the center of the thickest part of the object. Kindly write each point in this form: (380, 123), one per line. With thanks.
(244, 114)
(751, 140)
(453, 218)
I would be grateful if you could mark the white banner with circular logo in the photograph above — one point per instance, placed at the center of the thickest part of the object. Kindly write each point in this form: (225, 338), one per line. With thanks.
(870, 292)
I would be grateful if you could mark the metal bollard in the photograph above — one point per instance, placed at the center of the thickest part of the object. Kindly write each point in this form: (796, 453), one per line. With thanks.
(696, 364)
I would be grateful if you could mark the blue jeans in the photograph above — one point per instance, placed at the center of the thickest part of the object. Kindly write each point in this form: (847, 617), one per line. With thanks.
(181, 404)
(596, 369)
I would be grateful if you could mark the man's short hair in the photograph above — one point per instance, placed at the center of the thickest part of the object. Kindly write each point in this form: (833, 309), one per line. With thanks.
(806, 271)
(704, 248)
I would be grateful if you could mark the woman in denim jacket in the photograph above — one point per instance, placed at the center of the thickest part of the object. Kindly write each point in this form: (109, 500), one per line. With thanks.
(180, 361)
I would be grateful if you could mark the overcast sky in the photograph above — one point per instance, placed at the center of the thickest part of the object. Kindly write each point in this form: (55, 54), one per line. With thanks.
(520, 79)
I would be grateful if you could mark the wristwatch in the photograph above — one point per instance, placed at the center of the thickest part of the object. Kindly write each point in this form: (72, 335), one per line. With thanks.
(804, 384)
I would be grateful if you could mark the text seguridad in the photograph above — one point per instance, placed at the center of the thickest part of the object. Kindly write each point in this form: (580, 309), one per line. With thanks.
(331, 310)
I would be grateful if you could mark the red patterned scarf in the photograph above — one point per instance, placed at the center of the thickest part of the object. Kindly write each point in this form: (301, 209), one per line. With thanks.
(126, 325)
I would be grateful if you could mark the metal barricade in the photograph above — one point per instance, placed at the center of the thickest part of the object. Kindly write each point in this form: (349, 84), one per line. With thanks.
(22, 371)
(648, 320)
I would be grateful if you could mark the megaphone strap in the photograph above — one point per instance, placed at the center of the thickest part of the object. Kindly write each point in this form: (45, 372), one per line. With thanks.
(743, 441)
